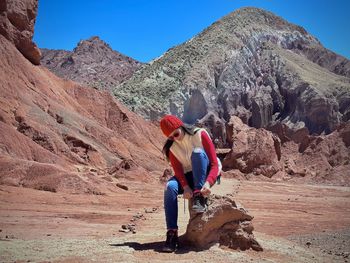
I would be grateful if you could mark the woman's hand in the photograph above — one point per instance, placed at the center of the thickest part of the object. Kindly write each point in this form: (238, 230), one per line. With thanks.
(187, 192)
(206, 189)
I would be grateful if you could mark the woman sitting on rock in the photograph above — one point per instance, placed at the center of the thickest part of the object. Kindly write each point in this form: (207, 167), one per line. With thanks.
(192, 155)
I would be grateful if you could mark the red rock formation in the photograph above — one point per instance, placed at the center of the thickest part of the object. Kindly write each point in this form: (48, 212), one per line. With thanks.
(17, 19)
(295, 155)
(253, 151)
(326, 158)
(57, 135)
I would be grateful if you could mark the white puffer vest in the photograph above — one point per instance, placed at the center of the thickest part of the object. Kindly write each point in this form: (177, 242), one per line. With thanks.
(183, 149)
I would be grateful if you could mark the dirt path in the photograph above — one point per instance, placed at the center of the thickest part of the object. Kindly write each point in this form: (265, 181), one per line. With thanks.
(294, 223)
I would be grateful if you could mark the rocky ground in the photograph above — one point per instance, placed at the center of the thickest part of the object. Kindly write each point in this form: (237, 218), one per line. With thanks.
(293, 223)
(328, 243)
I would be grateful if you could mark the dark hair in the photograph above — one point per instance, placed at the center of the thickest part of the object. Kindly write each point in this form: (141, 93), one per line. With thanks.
(189, 129)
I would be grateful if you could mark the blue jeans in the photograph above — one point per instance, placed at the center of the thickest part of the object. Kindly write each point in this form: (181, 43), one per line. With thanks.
(195, 179)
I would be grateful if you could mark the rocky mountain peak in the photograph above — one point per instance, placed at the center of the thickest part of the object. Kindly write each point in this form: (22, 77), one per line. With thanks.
(251, 64)
(251, 16)
(92, 62)
(92, 44)
(94, 40)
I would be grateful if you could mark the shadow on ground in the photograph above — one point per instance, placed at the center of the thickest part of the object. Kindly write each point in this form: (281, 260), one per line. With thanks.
(155, 246)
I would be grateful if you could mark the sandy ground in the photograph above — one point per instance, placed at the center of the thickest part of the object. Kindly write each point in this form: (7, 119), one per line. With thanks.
(293, 223)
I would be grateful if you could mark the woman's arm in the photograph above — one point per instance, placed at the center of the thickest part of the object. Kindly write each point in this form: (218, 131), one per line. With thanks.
(210, 151)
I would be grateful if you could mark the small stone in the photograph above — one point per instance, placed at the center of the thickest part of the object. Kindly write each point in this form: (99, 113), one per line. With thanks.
(131, 228)
(124, 187)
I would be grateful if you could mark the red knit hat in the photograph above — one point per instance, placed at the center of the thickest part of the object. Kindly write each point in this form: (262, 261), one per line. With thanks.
(170, 123)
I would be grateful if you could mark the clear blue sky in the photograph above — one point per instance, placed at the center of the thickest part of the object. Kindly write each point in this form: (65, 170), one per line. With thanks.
(145, 29)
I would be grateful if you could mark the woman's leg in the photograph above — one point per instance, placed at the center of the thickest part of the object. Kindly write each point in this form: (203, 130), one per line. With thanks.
(200, 163)
(172, 190)
(200, 170)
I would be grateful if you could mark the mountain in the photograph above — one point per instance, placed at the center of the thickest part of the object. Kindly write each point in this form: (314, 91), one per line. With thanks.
(251, 64)
(57, 135)
(92, 63)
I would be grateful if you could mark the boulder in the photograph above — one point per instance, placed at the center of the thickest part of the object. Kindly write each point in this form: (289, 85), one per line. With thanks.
(323, 159)
(225, 223)
(254, 150)
(300, 136)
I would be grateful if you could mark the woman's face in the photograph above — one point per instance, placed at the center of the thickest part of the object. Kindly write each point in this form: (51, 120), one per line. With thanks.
(177, 135)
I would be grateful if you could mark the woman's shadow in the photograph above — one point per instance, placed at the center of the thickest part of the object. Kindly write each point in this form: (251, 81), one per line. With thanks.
(155, 246)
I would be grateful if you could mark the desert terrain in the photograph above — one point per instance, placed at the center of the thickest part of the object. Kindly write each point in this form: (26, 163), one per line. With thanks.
(293, 223)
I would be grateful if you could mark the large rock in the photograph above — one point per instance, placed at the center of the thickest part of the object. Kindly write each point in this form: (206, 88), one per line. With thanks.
(323, 159)
(300, 136)
(294, 156)
(225, 223)
(17, 19)
(253, 150)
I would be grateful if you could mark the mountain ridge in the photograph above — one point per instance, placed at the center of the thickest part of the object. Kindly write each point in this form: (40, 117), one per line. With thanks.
(92, 62)
(227, 68)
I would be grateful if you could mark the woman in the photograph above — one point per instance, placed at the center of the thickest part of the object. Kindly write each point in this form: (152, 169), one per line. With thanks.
(192, 156)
